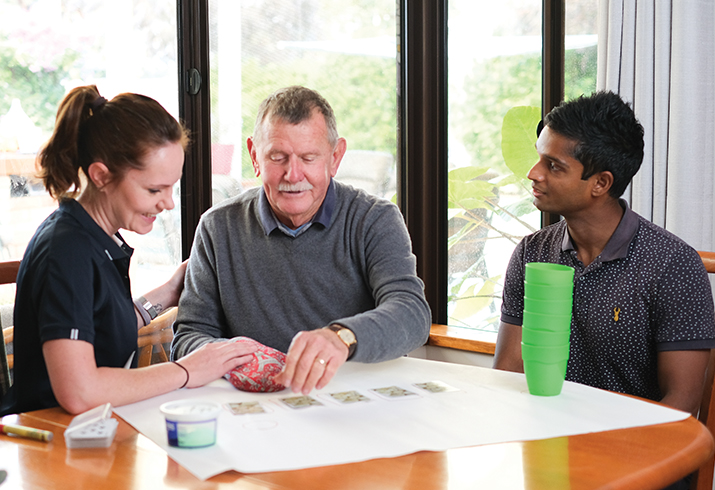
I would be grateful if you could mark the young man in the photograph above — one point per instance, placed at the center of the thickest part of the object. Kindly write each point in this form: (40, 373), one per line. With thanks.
(303, 264)
(643, 319)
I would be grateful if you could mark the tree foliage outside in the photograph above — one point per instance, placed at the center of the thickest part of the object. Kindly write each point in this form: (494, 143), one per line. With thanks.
(34, 61)
(40, 89)
(44, 53)
(362, 89)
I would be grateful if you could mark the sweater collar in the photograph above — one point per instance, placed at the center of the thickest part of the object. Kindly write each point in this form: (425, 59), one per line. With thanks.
(269, 222)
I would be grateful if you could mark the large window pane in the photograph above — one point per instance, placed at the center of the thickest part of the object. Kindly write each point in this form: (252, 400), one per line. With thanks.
(345, 50)
(48, 47)
(494, 66)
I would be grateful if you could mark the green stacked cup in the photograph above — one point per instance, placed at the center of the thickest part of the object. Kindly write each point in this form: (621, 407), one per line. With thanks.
(548, 301)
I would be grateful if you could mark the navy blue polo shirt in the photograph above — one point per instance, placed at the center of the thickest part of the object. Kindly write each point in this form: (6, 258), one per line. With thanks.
(73, 283)
(648, 291)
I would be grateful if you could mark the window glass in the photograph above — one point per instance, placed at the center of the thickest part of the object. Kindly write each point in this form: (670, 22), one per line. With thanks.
(581, 48)
(495, 102)
(494, 66)
(345, 50)
(47, 47)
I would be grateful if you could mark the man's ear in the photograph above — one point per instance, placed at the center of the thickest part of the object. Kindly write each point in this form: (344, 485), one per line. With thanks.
(254, 157)
(99, 174)
(602, 184)
(337, 156)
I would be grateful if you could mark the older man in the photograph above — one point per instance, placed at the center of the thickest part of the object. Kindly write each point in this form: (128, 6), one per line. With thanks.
(303, 264)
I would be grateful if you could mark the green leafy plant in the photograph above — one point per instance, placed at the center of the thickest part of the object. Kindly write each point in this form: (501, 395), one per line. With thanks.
(484, 205)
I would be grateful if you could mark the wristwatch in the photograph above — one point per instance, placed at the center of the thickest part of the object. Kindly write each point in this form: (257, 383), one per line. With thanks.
(146, 304)
(346, 336)
(146, 310)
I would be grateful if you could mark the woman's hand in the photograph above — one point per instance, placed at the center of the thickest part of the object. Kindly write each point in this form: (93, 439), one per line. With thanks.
(78, 384)
(211, 361)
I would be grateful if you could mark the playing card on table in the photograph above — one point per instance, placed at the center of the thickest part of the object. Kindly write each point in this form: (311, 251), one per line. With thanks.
(393, 392)
(346, 397)
(300, 401)
(435, 386)
(244, 408)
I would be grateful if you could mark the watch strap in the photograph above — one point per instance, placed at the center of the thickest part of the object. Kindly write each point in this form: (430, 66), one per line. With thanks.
(350, 345)
(145, 309)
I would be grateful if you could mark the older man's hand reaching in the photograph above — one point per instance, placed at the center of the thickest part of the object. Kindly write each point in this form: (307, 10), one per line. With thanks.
(313, 359)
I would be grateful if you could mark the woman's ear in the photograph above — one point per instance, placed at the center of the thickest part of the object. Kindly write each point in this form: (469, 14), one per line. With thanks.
(99, 174)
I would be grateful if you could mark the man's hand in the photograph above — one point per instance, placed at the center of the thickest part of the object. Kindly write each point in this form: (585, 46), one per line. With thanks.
(313, 359)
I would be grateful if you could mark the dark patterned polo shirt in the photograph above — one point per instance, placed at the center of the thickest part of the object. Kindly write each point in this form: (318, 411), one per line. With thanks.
(648, 291)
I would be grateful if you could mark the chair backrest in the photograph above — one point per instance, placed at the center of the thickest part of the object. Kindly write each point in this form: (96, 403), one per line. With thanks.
(708, 259)
(703, 480)
(155, 338)
(369, 170)
(8, 271)
(8, 275)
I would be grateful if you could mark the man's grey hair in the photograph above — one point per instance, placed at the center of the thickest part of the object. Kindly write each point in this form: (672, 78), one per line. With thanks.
(295, 105)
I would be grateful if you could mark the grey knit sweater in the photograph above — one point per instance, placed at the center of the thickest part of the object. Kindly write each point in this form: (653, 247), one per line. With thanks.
(358, 272)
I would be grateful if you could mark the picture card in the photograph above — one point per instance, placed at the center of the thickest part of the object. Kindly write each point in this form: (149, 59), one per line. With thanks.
(393, 392)
(301, 401)
(436, 386)
(348, 397)
(245, 408)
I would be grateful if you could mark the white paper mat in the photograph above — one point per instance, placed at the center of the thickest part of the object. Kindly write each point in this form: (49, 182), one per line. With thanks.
(487, 407)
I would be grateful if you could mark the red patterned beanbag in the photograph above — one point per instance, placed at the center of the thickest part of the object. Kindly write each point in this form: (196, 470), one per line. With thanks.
(258, 374)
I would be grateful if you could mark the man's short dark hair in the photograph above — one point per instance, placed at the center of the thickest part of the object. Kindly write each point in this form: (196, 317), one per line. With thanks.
(608, 136)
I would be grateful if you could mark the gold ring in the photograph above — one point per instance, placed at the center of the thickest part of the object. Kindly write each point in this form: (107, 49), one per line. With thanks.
(321, 361)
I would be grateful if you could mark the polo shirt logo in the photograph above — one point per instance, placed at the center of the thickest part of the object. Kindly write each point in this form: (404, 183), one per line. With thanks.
(616, 312)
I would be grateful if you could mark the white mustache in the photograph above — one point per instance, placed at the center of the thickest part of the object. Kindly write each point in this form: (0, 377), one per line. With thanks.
(299, 187)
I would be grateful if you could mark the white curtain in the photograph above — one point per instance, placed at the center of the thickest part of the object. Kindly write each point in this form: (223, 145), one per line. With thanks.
(659, 55)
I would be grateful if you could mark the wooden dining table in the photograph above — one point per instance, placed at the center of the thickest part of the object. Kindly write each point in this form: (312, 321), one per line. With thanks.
(645, 458)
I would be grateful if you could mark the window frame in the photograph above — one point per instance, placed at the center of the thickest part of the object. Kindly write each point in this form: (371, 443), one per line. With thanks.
(422, 125)
(195, 113)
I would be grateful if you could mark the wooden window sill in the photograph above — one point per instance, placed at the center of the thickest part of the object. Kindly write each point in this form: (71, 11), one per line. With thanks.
(462, 339)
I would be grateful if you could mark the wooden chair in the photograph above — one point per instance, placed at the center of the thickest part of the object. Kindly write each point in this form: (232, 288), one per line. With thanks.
(8, 271)
(155, 337)
(703, 479)
(8, 275)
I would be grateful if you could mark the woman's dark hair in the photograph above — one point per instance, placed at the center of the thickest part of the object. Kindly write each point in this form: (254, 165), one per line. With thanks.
(607, 134)
(119, 133)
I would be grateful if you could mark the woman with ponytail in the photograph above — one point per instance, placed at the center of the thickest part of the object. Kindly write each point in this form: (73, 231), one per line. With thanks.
(111, 165)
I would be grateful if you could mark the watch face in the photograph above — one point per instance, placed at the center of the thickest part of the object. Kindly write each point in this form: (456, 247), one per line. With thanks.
(347, 336)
